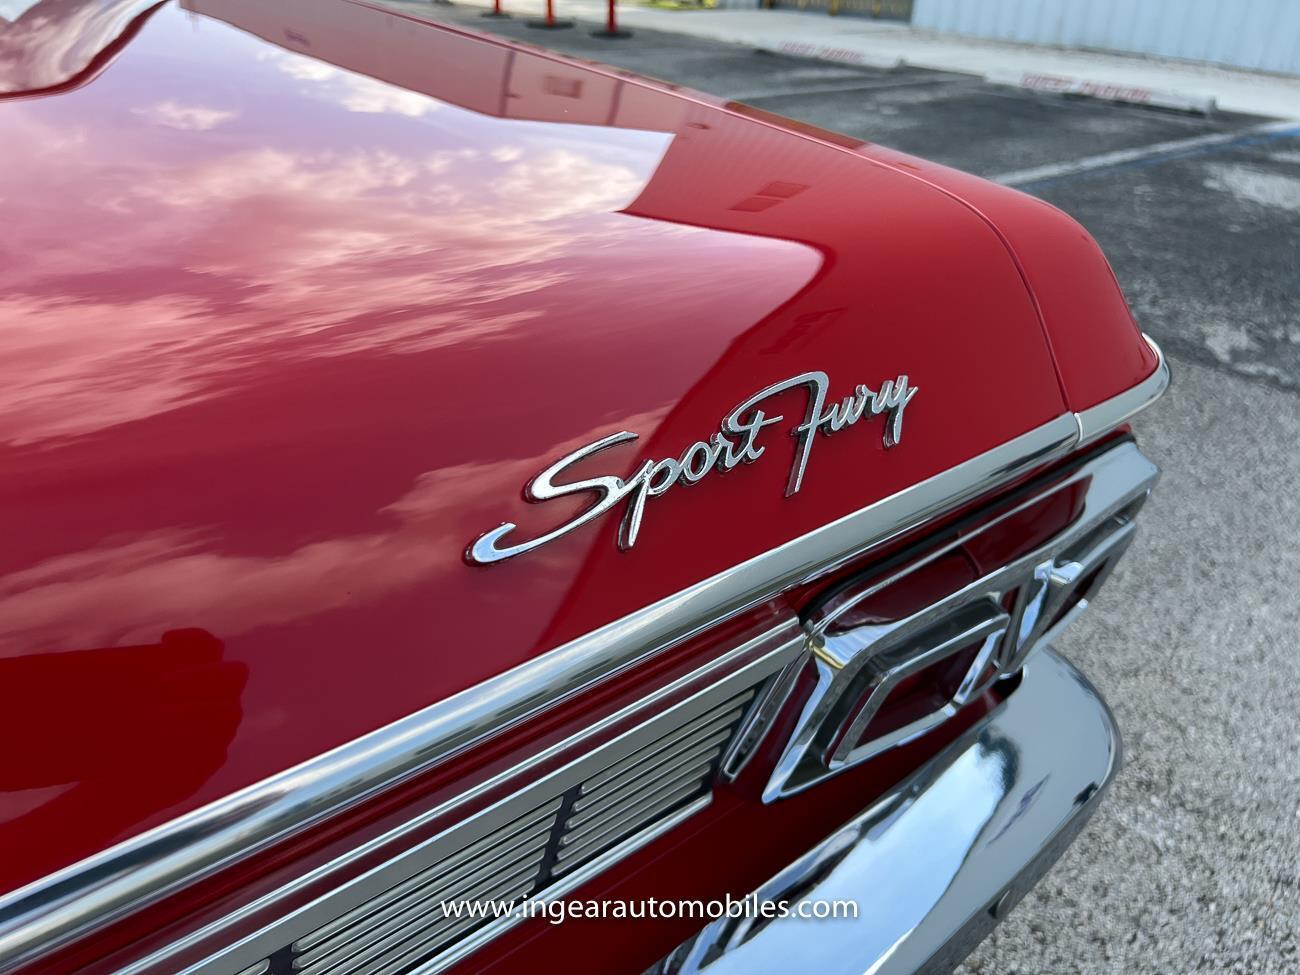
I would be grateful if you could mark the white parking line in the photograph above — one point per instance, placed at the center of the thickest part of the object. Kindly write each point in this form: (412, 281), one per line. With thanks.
(1124, 156)
(883, 84)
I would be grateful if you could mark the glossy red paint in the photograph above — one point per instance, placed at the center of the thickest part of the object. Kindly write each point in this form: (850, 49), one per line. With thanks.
(1098, 348)
(283, 333)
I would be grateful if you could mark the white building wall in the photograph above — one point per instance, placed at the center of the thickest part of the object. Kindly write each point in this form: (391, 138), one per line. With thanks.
(1261, 34)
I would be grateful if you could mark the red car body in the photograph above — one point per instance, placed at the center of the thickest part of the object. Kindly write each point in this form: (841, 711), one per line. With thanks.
(295, 300)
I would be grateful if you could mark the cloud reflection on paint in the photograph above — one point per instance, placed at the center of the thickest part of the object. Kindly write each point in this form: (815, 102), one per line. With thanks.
(186, 117)
(354, 92)
(257, 244)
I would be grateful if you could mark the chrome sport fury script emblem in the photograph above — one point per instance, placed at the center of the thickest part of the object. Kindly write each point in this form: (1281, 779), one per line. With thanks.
(735, 444)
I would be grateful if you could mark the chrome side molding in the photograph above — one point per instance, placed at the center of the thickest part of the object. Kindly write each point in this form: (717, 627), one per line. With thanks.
(144, 869)
(995, 620)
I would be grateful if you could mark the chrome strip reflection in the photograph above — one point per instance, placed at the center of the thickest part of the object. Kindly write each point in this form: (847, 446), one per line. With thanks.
(139, 871)
(987, 818)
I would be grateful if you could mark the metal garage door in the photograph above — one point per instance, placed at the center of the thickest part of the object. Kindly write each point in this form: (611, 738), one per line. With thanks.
(1261, 34)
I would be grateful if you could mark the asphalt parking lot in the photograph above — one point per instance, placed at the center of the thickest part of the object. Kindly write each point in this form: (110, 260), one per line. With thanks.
(1193, 864)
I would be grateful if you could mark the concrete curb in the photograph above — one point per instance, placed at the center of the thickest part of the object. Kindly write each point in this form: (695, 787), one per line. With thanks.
(827, 52)
(1034, 81)
(1107, 91)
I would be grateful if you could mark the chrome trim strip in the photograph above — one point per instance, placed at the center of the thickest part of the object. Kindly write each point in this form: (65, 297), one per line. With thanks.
(100, 889)
(1106, 416)
(143, 869)
(654, 771)
(629, 820)
(432, 877)
(696, 770)
(685, 740)
(986, 817)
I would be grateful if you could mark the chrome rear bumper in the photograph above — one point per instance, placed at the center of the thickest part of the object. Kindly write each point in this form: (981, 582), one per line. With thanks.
(938, 862)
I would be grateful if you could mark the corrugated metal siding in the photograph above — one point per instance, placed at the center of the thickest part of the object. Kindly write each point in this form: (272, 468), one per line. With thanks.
(1246, 33)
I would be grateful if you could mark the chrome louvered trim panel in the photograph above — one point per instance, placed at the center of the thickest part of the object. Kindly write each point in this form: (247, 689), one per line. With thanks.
(525, 839)
(636, 792)
(542, 840)
(406, 924)
(489, 868)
